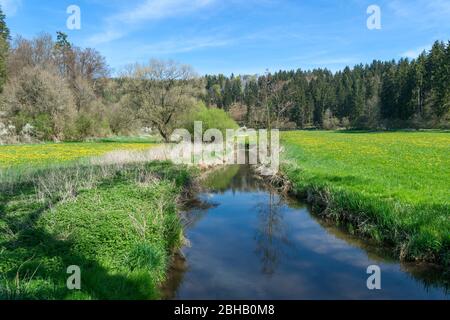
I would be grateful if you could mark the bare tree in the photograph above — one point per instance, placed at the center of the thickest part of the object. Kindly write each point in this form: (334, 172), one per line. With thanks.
(91, 64)
(42, 98)
(72, 62)
(30, 53)
(165, 91)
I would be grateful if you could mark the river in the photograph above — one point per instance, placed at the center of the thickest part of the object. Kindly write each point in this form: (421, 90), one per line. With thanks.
(248, 242)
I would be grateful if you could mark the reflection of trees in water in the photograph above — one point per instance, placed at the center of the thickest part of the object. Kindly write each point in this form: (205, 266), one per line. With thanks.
(245, 180)
(177, 271)
(178, 264)
(429, 276)
(271, 236)
(234, 178)
(198, 208)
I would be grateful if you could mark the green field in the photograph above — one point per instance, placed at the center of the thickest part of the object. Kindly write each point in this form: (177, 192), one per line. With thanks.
(393, 186)
(54, 153)
(118, 223)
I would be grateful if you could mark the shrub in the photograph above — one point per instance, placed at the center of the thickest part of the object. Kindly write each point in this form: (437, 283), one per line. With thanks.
(122, 119)
(84, 126)
(212, 118)
(7, 133)
(329, 122)
(345, 123)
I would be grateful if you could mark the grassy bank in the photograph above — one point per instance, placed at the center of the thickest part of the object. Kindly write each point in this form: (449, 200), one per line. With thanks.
(393, 187)
(118, 223)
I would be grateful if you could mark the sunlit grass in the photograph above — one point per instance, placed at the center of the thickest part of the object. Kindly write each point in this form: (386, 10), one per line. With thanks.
(397, 181)
(54, 153)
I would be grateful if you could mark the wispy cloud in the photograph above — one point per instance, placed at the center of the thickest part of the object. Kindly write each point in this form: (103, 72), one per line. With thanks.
(214, 38)
(121, 23)
(187, 45)
(10, 7)
(422, 11)
(160, 9)
(325, 58)
(414, 53)
(335, 61)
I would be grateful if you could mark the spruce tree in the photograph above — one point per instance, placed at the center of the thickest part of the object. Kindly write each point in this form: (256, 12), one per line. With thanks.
(4, 48)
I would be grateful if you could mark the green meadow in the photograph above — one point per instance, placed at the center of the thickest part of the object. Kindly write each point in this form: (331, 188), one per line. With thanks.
(390, 186)
(49, 154)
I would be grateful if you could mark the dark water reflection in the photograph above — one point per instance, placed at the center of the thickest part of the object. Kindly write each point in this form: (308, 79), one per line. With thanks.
(247, 242)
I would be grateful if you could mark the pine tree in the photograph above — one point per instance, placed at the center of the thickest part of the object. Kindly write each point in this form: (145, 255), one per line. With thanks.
(446, 86)
(4, 48)
(358, 96)
(419, 67)
(227, 95)
(64, 55)
(237, 89)
(436, 77)
(406, 83)
(388, 97)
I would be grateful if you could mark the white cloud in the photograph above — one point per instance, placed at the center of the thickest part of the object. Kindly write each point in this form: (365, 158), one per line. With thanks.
(120, 24)
(414, 53)
(180, 45)
(422, 11)
(10, 7)
(160, 9)
(335, 61)
(440, 7)
(106, 36)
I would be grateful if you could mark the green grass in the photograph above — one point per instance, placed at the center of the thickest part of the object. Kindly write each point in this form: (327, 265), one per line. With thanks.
(119, 224)
(16, 156)
(391, 186)
(128, 139)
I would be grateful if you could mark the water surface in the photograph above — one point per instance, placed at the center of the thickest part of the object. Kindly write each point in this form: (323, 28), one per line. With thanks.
(248, 242)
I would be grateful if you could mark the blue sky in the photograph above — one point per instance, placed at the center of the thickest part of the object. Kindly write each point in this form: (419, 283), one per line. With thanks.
(240, 36)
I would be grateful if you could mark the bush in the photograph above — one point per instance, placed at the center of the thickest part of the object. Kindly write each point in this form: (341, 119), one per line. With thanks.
(329, 122)
(345, 123)
(122, 119)
(84, 126)
(212, 118)
(7, 133)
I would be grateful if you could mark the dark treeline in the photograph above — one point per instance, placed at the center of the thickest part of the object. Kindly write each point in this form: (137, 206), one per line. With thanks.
(382, 95)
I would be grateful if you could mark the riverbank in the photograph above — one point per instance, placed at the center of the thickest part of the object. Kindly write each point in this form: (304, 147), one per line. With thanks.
(118, 223)
(391, 187)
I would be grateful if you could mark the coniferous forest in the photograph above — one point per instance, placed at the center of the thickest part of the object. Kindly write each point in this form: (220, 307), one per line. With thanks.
(382, 95)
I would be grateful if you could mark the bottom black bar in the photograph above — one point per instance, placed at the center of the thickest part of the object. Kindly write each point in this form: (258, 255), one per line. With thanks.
(224, 309)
